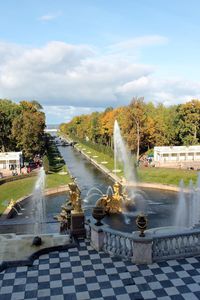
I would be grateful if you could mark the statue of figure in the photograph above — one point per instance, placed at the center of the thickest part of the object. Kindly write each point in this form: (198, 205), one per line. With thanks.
(112, 203)
(117, 191)
(11, 203)
(75, 198)
(74, 193)
(77, 206)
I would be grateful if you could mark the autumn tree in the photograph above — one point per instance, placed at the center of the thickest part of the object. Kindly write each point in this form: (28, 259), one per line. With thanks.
(134, 124)
(28, 129)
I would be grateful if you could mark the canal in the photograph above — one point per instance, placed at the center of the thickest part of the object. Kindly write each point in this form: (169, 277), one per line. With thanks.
(160, 205)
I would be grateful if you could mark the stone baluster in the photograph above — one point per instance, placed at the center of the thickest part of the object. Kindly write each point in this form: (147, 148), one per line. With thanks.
(109, 242)
(105, 244)
(113, 243)
(129, 248)
(117, 244)
(123, 247)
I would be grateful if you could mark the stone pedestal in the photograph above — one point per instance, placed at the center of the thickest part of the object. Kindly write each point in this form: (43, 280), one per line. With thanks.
(78, 224)
(142, 249)
(97, 237)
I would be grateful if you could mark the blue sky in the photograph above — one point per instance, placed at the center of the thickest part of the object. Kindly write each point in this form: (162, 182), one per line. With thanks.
(83, 55)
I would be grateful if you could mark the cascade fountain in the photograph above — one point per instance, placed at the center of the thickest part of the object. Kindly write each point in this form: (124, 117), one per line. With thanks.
(121, 198)
(188, 208)
(38, 202)
(121, 155)
(130, 201)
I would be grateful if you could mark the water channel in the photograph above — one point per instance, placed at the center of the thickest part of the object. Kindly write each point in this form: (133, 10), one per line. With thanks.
(161, 204)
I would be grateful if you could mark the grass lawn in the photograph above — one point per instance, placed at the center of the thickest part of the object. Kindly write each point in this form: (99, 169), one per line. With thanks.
(166, 176)
(150, 175)
(15, 190)
(56, 179)
(101, 157)
(58, 175)
(20, 188)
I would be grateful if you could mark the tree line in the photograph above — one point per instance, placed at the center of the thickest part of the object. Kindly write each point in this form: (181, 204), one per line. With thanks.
(143, 125)
(22, 127)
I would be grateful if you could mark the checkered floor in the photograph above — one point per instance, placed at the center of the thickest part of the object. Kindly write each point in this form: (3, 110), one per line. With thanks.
(82, 273)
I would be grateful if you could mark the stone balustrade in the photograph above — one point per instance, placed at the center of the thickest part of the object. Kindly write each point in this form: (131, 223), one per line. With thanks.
(176, 245)
(118, 243)
(144, 250)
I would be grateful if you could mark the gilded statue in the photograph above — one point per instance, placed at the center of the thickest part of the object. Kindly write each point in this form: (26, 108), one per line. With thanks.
(112, 203)
(75, 198)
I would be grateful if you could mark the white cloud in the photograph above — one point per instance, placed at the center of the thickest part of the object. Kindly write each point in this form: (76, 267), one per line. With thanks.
(50, 17)
(66, 113)
(60, 74)
(135, 43)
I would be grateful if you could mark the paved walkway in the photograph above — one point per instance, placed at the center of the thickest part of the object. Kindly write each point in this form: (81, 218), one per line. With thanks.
(82, 273)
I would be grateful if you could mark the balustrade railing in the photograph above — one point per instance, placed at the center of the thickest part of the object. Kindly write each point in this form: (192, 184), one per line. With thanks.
(177, 245)
(164, 246)
(118, 243)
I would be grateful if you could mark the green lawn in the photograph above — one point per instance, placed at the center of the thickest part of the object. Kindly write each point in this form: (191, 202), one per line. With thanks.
(56, 179)
(15, 190)
(101, 157)
(166, 176)
(57, 176)
(150, 175)
(20, 188)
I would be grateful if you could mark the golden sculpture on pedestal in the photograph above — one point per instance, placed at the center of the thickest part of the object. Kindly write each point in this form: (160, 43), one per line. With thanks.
(73, 204)
(112, 203)
(75, 197)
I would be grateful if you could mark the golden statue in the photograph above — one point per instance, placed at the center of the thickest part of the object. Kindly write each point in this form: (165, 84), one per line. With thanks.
(74, 194)
(112, 203)
(11, 203)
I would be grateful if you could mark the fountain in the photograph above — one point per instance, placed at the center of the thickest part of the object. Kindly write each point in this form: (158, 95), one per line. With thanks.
(130, 201)
(121, 155)
(188, 208)
(38, 203)
(118, 199)
(124, 205)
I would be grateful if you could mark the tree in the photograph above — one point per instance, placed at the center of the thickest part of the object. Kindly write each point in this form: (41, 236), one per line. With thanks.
(187, 122)
(133, 124)
(28, 130)
(8, 111)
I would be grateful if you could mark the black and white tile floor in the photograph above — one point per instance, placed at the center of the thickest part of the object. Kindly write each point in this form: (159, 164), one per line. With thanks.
(83, 273)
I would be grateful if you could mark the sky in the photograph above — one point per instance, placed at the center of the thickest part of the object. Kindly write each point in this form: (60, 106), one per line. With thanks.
(79, 56)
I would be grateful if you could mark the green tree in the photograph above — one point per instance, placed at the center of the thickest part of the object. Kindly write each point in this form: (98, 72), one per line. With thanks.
(8, 112)
(187, 123)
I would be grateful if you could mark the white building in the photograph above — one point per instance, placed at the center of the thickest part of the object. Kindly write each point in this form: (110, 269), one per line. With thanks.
(177, 156)
(10, 161)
